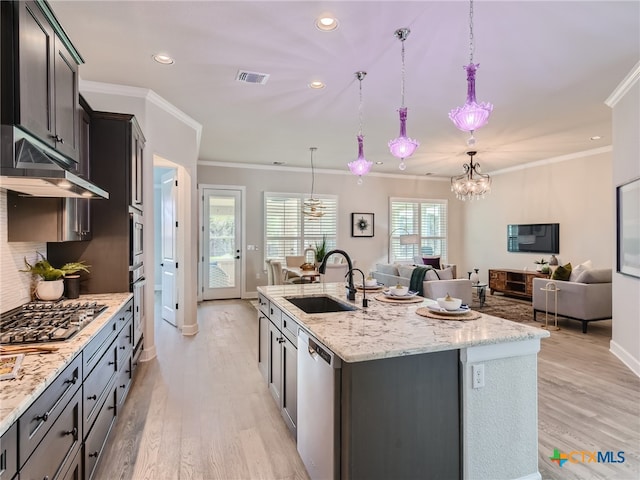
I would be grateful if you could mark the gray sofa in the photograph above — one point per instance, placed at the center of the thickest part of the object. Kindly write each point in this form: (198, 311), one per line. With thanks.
(437, 283)
(587, 298)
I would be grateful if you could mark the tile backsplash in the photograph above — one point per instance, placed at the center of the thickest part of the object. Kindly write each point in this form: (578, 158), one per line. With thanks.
(15, 286)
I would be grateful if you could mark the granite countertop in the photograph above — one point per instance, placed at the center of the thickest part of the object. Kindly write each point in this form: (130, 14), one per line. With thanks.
(38, 371)
(385, 330)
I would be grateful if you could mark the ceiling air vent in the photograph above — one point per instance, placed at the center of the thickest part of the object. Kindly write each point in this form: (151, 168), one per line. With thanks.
(252, 77)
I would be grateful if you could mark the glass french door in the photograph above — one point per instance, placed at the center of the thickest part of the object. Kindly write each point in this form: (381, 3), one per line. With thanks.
(222, 243)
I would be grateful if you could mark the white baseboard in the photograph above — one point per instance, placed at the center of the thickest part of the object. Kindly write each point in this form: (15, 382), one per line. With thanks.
(625, 357)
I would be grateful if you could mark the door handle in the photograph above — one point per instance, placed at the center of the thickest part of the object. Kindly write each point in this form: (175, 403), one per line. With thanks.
(237, 257)
(162, 264)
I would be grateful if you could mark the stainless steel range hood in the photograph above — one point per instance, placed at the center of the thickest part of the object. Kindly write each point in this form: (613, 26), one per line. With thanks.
(30, 167)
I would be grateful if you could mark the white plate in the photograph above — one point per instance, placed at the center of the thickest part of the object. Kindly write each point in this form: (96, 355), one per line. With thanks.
(369, 287)
(400, 297)
(438, 309)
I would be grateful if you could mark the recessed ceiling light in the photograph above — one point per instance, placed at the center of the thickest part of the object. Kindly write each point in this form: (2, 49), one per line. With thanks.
(379, 162)
(326, 23)
(316, 85)
(163, 59)
(596, 137)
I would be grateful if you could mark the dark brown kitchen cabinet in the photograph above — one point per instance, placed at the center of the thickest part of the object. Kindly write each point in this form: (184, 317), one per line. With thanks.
(97, 438)
(9, 453)
(40, 76)
(115, 138)
(57, 450)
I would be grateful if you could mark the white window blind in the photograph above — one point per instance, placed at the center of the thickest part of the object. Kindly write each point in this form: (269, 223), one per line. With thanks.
(288, 232)
(427, 219)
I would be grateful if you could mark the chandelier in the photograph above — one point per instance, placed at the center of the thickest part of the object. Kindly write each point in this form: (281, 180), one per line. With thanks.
(402, 146)
(472, 115)
(361, 165)
(312, 207)
(471, 184)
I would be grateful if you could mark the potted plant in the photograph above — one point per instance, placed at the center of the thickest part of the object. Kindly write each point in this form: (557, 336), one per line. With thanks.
(51, 283)
(540, 264)
(321, 249)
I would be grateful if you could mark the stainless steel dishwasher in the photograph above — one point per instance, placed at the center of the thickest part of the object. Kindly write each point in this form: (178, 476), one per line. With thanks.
(318, 408)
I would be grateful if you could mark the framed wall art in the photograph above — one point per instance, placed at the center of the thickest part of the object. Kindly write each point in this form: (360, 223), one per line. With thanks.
(628, 228)
(362, 224)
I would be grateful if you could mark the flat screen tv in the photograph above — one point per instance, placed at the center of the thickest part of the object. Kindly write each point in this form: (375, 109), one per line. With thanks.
(534, 238)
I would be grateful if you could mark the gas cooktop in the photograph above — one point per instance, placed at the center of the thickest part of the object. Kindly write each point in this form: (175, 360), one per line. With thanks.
(38, 322)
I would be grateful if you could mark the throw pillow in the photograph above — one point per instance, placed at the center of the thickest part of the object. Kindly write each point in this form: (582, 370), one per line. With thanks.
(601, 275)
(432, 261)
(446, 274)
(431, 274)
(577, 270)
(387, 269)
(563, 272)
(405, 270)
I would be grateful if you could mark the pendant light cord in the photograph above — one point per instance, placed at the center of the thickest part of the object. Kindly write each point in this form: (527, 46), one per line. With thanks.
(360, 77)
(313, 175)
(471, 44)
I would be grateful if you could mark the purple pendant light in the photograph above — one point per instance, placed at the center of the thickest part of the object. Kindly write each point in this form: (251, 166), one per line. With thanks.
(361, 165)
(472, 115)
(402, 146)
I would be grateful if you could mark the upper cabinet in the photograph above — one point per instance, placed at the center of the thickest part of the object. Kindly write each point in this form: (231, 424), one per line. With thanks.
(40, 76)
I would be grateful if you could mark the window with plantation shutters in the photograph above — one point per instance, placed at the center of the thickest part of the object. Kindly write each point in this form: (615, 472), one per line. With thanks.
(425, 218)
(289, 232)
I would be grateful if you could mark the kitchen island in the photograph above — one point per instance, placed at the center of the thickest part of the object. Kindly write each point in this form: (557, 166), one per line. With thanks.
(406, 391)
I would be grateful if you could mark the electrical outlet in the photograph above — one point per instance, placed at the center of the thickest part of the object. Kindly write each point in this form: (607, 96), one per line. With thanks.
(477, 374)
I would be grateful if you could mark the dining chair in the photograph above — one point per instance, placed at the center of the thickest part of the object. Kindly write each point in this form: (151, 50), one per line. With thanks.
(335, 272)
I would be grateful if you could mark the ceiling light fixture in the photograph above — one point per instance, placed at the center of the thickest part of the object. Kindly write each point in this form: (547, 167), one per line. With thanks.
(316, 85)
(326, 23)
(402, 146)
(163, 59)
(470, 187)
(472, 115)
(312, 207)
(361, 165)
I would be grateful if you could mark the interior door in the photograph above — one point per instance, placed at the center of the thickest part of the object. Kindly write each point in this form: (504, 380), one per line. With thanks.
(222, 240)
(169, 227)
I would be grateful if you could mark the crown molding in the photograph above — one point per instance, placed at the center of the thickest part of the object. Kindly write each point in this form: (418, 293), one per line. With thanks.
(146, 95)
(623, 87)
(561, 158)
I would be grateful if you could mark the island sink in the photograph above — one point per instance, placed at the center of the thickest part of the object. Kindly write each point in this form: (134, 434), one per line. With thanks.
(320, 304)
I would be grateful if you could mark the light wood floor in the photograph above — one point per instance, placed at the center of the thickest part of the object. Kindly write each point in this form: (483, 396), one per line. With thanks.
(201, 410)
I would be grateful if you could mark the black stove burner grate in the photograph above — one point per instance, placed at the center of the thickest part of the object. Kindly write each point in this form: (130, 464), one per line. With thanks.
(38, 322)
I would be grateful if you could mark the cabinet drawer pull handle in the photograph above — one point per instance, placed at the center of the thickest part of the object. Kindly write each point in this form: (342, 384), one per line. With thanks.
(72, 381)
(122, 348)
(111, 363)
(94, 454)
(73, 432)
(92, 397)
(123, 386)
(44, 417)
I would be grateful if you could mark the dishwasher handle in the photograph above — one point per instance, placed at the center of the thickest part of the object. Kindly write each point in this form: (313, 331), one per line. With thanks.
(315, 350)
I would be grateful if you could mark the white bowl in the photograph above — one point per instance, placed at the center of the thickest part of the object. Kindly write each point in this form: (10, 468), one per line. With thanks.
(399, 290)
(451, 304)
(370, 282)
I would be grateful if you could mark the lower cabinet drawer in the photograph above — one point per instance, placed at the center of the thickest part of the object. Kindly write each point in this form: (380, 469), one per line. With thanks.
(35, 422)
(95, 385)
(57, 450)
(95, 441)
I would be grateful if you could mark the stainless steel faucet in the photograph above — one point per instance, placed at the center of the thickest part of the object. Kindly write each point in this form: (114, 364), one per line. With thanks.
(351, 290)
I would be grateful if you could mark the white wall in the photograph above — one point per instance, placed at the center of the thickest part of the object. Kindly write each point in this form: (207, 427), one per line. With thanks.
(625, 342)
(573, 193)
